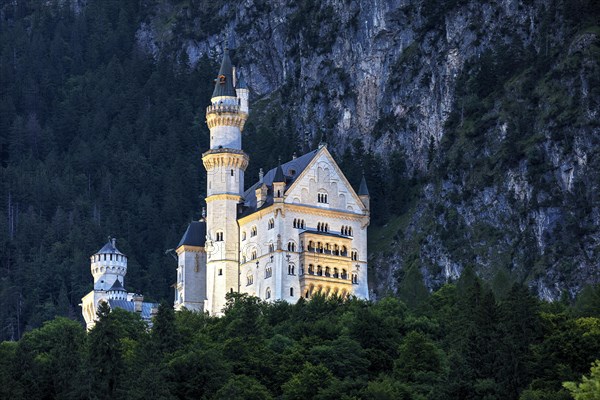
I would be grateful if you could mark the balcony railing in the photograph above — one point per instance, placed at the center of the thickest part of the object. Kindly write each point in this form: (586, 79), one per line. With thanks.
(222, 108)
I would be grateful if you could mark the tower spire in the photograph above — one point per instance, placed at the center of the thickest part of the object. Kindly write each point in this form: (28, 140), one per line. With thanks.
(224, 81)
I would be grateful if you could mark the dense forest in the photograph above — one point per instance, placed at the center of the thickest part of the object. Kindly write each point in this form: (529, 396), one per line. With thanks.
(461, 342)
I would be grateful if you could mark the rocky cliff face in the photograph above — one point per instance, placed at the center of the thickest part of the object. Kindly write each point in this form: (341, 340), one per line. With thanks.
(489, 108)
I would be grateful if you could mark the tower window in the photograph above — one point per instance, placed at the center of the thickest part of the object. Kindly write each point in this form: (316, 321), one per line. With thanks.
(219, 237)
(231, 172)
(253, 256)
(268, 272)
(291, 292)
(291, 246)
(346, 230)
(298, 223)
(271, 247)
(271, 223)
(268, 293)
(220, 271)
(290, 269)
(355, 255)
(253, 231)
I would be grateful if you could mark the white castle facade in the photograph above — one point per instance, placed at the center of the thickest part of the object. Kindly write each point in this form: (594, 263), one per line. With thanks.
(299, 230)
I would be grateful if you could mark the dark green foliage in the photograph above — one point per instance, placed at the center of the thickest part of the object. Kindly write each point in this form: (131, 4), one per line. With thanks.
(461, 343)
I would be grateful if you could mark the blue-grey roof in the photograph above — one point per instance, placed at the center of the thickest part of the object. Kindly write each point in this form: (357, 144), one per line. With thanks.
(224, 81)
(297, 165)
(362, 190)
(117, 286)
(109, 248)
(195, 234)
(130, 306)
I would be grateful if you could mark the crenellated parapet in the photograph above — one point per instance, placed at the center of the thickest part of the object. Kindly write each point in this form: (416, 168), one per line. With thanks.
(225, 115)
(229, 158)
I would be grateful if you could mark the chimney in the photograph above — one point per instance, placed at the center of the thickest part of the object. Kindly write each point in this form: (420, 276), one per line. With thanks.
(113, 241)
(261, 175)
(137, 302)
(261, 195)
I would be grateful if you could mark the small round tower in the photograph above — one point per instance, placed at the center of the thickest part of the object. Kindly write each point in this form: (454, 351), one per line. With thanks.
(108, 265)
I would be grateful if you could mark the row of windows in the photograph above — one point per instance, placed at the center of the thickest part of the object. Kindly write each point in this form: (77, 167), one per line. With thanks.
(322, 197)
(298, 224)
(103, 257)
(317, 247)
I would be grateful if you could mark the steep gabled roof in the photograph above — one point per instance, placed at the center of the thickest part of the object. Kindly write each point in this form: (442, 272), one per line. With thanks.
(195, 235)
(297, 166)
(224, 81)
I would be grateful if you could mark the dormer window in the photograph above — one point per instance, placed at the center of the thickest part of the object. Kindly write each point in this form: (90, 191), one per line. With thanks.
(222, 79)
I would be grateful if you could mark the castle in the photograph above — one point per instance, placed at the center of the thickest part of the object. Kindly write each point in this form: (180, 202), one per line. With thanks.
(300, 230)
(109, 267)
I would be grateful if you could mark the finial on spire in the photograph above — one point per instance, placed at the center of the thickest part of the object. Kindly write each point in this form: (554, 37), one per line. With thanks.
(261, 175)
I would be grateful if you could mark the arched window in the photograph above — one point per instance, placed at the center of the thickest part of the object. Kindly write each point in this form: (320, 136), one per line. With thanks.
(271, 247)
(249, 278)
(268, 293)
(244, 235)
(253, 256)
(322, 197)
(291, 246)
(271, 223)
(355, 255)
(311, 245)
(327, 272)
(291, 292)
(355, 279)
(295, 223)
(219, 237)
(336, 274)
(319, 270)
(290, 269)
(344, 251)
(301, 224)
(253, 231)
(311, 269)
(268, 272)
(344, 274)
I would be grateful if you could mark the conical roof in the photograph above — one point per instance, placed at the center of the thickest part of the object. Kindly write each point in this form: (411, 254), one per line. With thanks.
(362, 190)
(117, 286)
(224, 81)
(109, 248)
(279, 177)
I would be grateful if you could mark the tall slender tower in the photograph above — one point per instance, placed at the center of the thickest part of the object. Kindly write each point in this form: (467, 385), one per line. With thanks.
(225, 164)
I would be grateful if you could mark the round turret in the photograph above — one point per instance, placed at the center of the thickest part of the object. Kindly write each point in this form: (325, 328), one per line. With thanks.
(108, 265)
